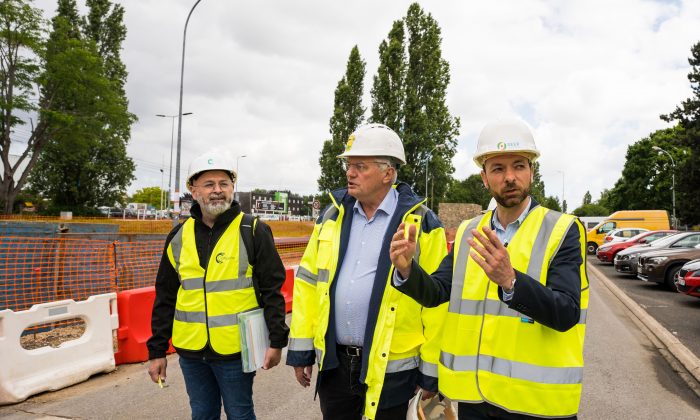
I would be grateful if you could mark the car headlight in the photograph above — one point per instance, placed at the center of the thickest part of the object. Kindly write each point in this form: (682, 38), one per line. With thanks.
(656, 260)
(623, 257)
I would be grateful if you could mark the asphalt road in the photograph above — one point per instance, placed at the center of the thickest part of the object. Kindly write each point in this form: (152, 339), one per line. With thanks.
(625, 377)
(678, 313)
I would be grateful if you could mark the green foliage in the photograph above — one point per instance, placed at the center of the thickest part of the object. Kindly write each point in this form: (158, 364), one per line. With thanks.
(149, 195)
(84, 164)
(22, 31)
(687, 115)
(388, 91)
(537, 186)
(348, 114)
(587, 198)
(551, 202)
(646, 176)
(470, 190)
(429, 130)
(591, 210)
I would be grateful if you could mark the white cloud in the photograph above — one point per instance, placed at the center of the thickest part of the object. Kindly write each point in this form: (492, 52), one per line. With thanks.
(591, 77)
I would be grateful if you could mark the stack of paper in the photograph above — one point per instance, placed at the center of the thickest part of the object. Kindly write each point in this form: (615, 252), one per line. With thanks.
(254, 339)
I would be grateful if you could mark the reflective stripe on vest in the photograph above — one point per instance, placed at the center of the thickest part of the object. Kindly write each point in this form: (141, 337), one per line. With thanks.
(490, 351)
(208, 302)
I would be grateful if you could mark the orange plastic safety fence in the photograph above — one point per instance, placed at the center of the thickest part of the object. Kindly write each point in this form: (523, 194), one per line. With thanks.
(38, 270)
(125, 225)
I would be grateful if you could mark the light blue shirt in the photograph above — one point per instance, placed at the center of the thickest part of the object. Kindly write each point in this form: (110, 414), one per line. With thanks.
(356, 276)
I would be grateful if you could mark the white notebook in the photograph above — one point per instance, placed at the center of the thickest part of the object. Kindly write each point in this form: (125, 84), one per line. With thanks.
(254, 339)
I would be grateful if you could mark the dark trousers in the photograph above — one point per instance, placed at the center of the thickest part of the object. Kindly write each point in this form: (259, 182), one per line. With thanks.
(342, 395)
(486, 411)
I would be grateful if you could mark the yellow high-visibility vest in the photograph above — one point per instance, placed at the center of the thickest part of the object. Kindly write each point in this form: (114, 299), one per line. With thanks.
(208, 302)
(495, 354)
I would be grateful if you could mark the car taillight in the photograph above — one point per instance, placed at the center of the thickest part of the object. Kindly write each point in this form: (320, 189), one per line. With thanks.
(608, 239)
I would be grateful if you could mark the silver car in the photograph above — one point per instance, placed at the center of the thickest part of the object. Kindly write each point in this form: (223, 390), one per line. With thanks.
(625, 261)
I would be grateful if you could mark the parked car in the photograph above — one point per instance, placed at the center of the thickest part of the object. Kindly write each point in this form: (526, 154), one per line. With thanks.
(622, 234)
(607, 252)
(688, 278)
(661, 266)
(626, 261)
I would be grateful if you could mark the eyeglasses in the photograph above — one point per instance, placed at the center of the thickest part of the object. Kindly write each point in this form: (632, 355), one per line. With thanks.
(211, 185)
(362, 166)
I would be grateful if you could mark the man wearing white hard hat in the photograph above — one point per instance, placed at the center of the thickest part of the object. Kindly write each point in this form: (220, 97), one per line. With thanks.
(517, 289)
(216, 265)
(373, 345)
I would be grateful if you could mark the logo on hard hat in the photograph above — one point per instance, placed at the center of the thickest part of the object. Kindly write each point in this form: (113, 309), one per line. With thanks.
(351, 140)
(502, 145)
(210, 161)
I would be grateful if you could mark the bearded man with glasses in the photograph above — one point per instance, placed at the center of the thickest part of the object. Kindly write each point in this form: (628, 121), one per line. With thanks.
(210, 273)
(373, 345)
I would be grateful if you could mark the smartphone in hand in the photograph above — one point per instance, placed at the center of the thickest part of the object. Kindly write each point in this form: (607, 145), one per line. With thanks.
(411, 219)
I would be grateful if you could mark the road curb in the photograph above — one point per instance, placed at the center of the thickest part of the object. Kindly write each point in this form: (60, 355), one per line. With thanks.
(689, 361)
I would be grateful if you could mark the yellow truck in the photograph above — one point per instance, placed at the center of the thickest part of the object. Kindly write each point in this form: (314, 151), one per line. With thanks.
(648, 219)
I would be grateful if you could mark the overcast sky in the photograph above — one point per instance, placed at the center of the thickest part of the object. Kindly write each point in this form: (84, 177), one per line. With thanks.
(591, 77)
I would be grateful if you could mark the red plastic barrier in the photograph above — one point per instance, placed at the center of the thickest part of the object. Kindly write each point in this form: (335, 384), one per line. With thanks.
(287, 289)
(134, 308)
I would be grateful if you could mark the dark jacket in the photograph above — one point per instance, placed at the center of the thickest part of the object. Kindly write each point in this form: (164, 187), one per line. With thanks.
(556, 305)
(268, 275)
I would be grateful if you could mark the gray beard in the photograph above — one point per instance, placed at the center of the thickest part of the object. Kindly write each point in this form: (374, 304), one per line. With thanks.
(216, 209)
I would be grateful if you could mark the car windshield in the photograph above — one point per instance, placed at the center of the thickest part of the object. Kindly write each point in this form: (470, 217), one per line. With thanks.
(650, 236)
(664, 241)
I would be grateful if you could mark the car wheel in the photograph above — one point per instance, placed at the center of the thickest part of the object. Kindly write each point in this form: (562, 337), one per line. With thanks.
(671, 275)
(591, 247)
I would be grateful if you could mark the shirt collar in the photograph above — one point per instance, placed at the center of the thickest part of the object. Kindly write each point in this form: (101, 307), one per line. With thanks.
(387, 206)
(517, 222)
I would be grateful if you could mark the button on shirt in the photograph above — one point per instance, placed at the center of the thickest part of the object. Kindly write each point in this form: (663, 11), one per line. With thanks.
(356, 278)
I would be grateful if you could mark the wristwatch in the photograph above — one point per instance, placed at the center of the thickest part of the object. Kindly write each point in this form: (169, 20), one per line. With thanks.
(512, 287)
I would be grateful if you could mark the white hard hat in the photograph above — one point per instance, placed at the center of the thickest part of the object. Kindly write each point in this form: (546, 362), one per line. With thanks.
(374, 140)
(508, 135)
(210, 161)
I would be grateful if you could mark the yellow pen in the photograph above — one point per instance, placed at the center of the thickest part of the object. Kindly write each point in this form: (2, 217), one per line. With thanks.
(160, 382)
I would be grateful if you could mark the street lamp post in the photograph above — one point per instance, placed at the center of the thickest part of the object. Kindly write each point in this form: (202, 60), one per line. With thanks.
(562, 190)
(172, 136)
(235, 186)
(427, 160)
(179, 114)
(673, 183)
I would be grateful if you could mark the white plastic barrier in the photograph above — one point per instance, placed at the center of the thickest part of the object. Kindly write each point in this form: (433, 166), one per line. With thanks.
(27, 372)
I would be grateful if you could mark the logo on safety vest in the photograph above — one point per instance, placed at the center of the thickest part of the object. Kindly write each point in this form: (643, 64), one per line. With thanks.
(221, 257)
(351, 140)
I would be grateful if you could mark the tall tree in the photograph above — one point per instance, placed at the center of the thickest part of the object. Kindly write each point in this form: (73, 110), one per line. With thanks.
(429, 130)
(687, 115)
(409, 94)
(388, 91)
(587, 199)
(85, 163)
(21, 46)
(348, 114)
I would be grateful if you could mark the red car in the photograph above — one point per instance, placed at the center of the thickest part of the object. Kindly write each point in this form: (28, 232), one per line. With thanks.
(688, 279)
(607, 252)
